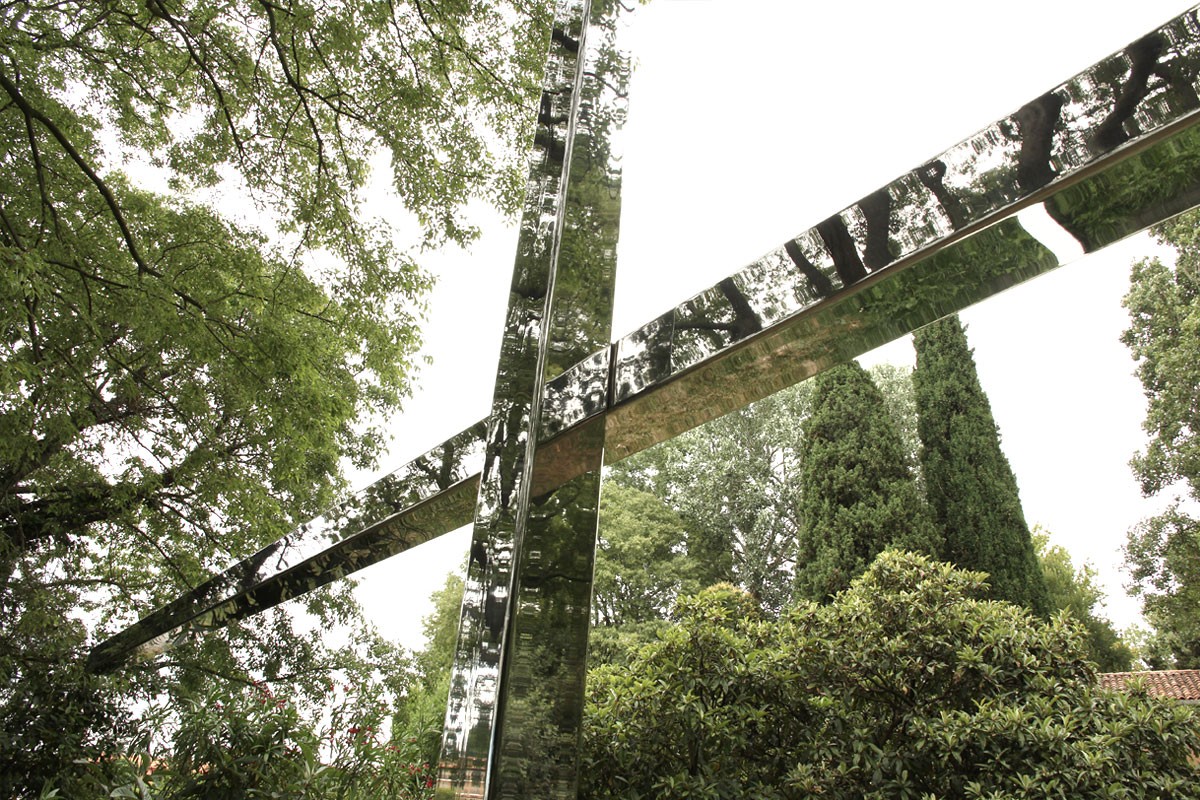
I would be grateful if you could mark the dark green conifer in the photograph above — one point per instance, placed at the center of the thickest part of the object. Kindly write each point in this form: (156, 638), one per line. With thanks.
(971, 489)
(858, 493)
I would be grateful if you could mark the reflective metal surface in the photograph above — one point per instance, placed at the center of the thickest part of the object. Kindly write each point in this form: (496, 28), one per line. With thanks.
(516, 697)
(663, 398)
(472, 715)
(1050, 150)
(1106, 154)
(429, 496)
(542, 685)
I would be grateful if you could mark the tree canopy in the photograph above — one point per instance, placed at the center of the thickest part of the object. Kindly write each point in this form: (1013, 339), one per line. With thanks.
(202, 319)
(1073, 589)
(1163, 552)
(641, 563)
(732, 483)
(160, 359)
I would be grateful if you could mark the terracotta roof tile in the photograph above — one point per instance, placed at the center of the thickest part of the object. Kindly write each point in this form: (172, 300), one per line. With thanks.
(1181, 684)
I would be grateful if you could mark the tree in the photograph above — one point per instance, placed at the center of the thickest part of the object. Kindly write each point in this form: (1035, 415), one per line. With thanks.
(1162, 555)
(641, 566)
(735, 484)
(52, 714)
(1163, 552)
(908, 684)
(211, 727)
(857, 492)
(732, 482)
(420, 716)
(971, 489)
(176, 388)
(1164, 310)
(156, 355)
(252, 742)
(1074, 591)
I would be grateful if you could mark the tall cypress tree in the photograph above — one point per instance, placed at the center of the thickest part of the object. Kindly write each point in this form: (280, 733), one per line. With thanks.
(970, 486)
(858, 493)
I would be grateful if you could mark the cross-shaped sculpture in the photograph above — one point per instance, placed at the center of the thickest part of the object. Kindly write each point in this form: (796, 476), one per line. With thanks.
(1107, 153)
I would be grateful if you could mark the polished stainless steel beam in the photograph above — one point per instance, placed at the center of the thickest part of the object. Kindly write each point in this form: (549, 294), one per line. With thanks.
(429, 496)
(1104, 160)
(516, 686)
(1105, 154)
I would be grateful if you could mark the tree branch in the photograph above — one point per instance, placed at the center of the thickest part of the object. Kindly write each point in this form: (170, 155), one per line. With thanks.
(114, 207)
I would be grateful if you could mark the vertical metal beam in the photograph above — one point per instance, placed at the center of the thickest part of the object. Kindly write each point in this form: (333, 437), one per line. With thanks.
(1113, 150)
(516, 687)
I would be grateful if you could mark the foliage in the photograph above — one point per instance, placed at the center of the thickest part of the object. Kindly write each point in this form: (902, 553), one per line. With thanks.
(248, 742)
(971, 488)
(419, 716)
(156, 354)
(857, 492)
(735, 484)
(641, 565)
(1163, 552)
(1074, 590)
(293, 98)
(53, 716)
(1162, 555)
(178, 388)
(1164, 310)
(64, 730)
(907, 685)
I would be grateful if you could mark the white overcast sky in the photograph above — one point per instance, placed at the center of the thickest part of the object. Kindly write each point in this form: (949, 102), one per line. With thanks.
(752, 120)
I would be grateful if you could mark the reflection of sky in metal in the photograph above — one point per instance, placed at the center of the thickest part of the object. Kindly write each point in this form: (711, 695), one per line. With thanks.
(679, 246)
(734, 146)
(807, 109)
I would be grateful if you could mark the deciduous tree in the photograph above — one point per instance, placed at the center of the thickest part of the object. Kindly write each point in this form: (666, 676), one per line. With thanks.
(733, 483)
(178, 386)
(641, 563)
(1073, 590)
(1163, 552)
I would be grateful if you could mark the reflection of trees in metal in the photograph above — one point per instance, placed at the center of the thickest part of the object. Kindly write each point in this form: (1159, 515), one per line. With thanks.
(411, 505)
(539, 700)
(1035, 124)
(819, 285)
(933, 241)
(583, 283)
(932, 177)
(1133, 195)
(529, 576)
(1149, 86)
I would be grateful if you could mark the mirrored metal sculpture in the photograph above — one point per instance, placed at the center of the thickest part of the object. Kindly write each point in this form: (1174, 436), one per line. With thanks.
(1105, 154)
(516, 686)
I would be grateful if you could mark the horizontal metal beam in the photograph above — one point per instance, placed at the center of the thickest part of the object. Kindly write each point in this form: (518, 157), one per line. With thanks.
(1107, 153)
(429, 496)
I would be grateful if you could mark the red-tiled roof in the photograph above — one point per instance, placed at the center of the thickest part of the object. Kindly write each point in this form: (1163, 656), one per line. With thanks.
(1181, 684)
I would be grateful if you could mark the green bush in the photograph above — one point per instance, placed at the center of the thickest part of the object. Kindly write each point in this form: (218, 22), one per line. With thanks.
(908, 684)
(230, 744)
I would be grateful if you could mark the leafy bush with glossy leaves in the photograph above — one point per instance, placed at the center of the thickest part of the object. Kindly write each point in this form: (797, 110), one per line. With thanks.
(907, 685)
